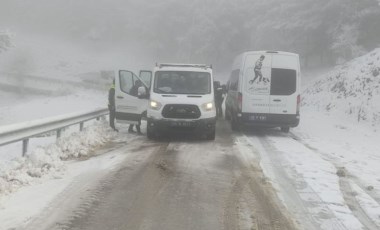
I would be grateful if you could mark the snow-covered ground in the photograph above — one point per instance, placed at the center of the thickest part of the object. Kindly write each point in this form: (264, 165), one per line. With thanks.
(350, 91)
(57, 178)
(341, 123)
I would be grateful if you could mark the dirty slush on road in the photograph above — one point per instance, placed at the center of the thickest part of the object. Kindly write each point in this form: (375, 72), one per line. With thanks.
(180, 185)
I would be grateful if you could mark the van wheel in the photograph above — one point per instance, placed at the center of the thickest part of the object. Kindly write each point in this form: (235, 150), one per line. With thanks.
(150, 133)
(235, 125)
(211, 136)
(227, 115)
(285, 129)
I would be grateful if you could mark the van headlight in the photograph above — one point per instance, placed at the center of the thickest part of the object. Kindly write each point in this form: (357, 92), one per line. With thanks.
(155, 105)
(208, 106)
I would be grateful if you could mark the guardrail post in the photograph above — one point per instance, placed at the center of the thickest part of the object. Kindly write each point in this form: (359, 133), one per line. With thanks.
(81, 126)
(25, 144)
(59, 132)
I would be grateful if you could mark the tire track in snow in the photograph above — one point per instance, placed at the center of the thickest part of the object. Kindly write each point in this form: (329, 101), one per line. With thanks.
(298, 196)
(251, 188)
(346, 189)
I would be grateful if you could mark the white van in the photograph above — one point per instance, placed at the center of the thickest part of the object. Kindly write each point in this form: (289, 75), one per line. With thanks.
(182, 100)
(264, 90)
(131, 102)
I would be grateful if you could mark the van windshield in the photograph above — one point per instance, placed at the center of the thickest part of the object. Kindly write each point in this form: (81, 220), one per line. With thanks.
(182, 82)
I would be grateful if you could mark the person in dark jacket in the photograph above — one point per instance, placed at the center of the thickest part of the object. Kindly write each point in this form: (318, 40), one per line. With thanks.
(134, 92)
(218, 94)
(111, 105)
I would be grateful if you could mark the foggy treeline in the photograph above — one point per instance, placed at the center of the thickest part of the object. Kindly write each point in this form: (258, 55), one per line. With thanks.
(324, 32)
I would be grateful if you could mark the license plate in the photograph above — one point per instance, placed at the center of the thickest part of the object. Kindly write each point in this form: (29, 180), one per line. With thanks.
(257, 118)
(181, 124)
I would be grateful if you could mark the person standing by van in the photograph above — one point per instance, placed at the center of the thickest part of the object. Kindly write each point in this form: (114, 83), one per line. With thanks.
(111, 105)
(134, 92)
(258, 66)
(218, 94)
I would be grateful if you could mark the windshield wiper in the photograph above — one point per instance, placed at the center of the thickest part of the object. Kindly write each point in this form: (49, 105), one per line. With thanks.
(159, 90)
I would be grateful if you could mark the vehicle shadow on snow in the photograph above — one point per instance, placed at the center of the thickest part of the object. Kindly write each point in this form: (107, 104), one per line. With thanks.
(181, 137)
(261, 132)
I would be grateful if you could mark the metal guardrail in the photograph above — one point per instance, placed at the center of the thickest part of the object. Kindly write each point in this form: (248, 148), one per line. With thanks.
(24, 131)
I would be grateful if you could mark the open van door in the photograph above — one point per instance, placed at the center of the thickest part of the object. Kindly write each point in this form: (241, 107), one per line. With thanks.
(130, 102)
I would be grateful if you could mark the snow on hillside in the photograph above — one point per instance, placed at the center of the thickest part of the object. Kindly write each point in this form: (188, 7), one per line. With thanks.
(27, 108)
(351, 90)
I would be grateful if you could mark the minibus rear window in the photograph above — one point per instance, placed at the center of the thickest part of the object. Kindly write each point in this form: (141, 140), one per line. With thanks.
(284, 82)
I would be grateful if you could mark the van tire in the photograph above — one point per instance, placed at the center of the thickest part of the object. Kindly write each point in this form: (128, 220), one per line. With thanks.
(234, 125)
(285, 129)
(211, 136)
(150, 133)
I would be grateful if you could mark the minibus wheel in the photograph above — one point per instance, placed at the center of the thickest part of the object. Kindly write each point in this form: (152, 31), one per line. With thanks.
(227, 115)
(285, 129)
(234, 125)
(211, 136)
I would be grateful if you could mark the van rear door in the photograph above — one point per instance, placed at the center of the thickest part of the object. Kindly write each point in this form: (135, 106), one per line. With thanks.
(256, 85)
(284, 84)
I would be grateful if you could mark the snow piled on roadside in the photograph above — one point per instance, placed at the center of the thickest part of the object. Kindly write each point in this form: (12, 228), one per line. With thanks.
(351, 90)
(49, 161)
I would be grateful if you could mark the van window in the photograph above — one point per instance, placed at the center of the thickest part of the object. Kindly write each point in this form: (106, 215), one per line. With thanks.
(182, 82)
(283, 82)
(146, 77)
(234, 80)
(127, 82)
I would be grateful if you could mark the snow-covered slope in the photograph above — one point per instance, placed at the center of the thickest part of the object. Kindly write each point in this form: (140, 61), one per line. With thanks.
(351, 90)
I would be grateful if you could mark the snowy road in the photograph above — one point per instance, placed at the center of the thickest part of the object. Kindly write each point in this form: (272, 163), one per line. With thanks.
(171, 185)
(262, 179)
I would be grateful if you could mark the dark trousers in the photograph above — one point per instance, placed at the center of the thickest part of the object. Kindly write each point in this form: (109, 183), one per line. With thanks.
(130, 129)
(112, 118)
(219, 110)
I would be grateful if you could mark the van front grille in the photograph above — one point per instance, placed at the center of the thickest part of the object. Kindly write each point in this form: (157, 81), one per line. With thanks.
(181, 111)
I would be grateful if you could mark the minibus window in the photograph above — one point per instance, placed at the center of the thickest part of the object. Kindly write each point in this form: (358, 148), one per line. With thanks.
(283, 82)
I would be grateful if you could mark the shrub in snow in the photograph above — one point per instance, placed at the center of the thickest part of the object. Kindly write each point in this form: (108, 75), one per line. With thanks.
(48, 161)
(376, 71)
(352, 89)
(5, 41)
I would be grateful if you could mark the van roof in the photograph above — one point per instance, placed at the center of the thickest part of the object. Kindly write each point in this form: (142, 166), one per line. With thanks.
(271, 52)
(183, 67)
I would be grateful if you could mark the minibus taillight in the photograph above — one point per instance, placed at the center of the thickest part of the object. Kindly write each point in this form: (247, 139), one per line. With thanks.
(240, 101)
(298, 103)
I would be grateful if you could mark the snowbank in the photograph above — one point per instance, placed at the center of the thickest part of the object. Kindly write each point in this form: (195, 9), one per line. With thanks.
(351, 90)
(49, 161)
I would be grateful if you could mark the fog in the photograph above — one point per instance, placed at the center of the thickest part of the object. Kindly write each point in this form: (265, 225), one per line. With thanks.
(138, 33)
